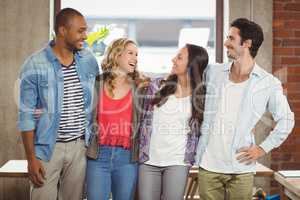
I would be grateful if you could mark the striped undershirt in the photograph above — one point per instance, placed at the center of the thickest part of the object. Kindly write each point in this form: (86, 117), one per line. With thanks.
(72, 121)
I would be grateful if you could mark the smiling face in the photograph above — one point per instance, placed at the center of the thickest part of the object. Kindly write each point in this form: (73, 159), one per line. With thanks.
(180, 62)
(235, 48)
(127, 61)
(75, 33)
(233, 44)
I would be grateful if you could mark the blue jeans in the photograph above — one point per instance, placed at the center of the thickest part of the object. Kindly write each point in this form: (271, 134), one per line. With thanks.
(112, 172)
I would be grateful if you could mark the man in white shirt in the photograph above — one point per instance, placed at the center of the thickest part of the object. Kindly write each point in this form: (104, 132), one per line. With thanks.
(238, 94)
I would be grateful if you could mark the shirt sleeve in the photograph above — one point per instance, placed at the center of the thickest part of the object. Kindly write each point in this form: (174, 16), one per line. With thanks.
(27, 96)
(282, 115)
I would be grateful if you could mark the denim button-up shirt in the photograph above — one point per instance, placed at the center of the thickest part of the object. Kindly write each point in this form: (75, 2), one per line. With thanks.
(146, 129)
(42, 87)
(263, 93)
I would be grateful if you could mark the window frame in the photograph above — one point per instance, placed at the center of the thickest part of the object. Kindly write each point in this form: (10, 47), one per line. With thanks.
(219, 26)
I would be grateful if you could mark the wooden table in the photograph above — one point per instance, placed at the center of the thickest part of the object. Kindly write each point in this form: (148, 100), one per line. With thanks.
(291, 186)
(13, 173)
(18, 168)
(14, 168)
(263, 171)
(192, 186)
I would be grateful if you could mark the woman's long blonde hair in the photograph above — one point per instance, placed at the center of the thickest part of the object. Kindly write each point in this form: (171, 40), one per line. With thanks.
(109, 63)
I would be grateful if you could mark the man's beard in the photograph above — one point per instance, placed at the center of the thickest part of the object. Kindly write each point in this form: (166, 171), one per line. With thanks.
(72, 47)
(230, 57)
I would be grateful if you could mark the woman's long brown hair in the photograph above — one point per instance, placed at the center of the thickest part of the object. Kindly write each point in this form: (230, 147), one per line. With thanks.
(197, 62)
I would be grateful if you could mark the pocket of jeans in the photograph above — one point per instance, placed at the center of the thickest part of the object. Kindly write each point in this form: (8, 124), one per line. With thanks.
(93, 148)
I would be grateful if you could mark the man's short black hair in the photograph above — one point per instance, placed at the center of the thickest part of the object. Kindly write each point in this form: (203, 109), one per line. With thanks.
(249, 30)
(64, 16)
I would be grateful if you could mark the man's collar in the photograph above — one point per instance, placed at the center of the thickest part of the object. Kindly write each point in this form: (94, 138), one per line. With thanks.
(51, 54)
(255, 71)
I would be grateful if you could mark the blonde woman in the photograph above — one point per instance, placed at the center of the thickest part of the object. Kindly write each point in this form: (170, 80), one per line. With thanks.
(114, 170)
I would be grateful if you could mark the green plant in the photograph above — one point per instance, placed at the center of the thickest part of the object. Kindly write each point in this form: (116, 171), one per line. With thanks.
(97, 36)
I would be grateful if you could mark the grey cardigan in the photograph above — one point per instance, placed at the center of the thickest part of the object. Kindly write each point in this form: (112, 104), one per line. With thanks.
(138, 99)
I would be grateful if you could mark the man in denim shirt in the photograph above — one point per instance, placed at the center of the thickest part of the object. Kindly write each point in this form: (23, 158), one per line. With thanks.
(58, 80)
(238, 94)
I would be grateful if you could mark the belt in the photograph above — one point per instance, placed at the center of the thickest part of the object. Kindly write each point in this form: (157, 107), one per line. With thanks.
(74, 139)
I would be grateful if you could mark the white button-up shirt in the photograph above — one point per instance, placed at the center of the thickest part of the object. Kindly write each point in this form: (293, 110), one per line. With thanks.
(263, 93)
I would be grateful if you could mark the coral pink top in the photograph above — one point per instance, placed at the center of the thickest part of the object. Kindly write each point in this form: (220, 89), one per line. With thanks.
(115, 120)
